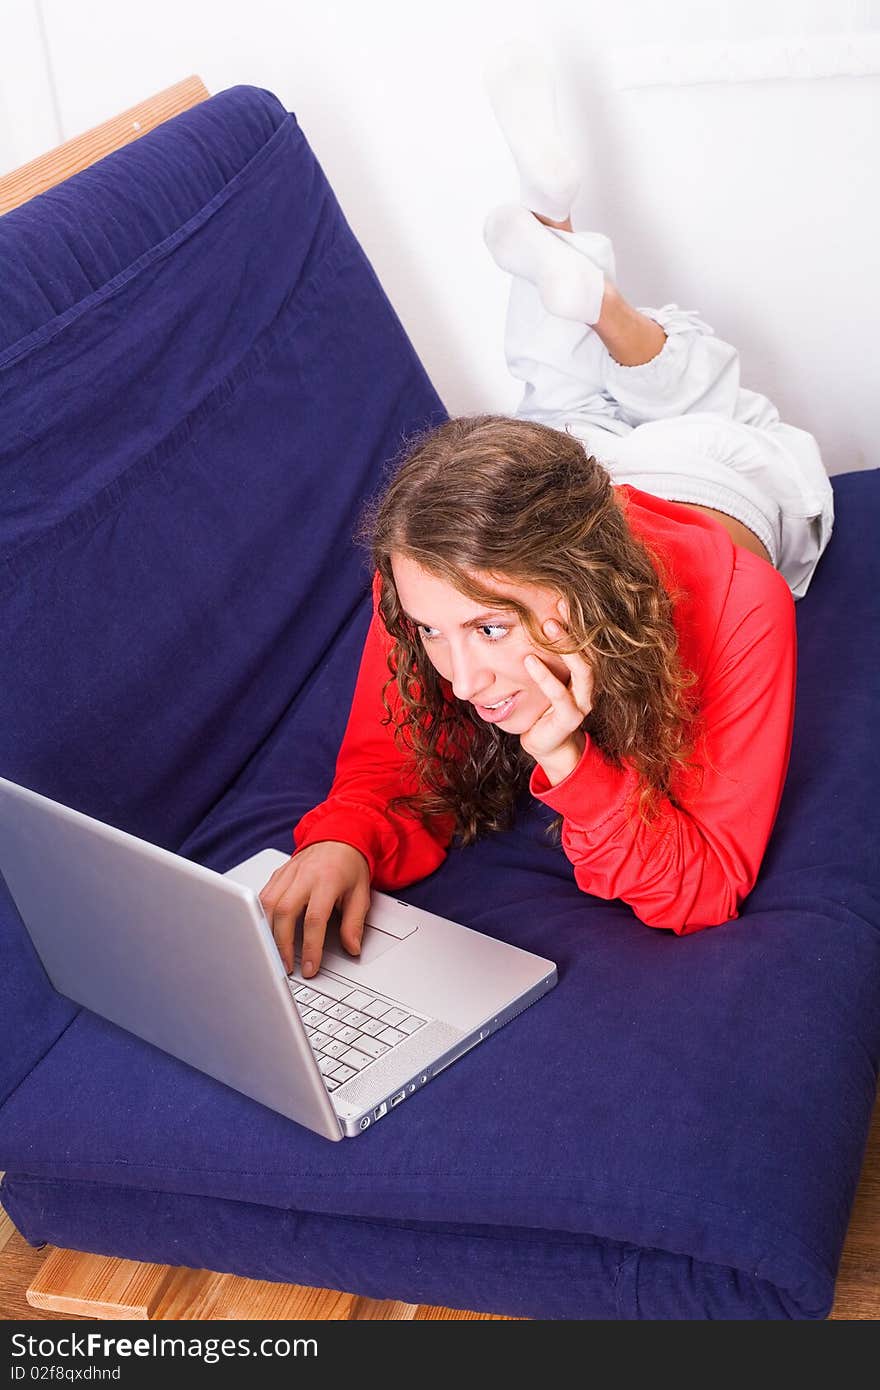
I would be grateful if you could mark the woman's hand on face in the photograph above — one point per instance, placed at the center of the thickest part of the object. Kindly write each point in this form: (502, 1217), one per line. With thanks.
(555, 732)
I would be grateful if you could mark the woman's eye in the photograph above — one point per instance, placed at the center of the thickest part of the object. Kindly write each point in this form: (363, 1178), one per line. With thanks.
(430, 634)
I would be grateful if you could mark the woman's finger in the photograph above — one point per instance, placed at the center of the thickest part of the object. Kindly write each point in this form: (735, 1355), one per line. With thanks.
(556, 725)
(558, 693)
(580, 668)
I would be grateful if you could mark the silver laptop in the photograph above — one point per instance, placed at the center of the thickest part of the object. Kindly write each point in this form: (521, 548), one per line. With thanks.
(184, 957)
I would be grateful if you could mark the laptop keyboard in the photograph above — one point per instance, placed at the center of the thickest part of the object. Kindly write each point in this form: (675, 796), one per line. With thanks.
(349, 1028)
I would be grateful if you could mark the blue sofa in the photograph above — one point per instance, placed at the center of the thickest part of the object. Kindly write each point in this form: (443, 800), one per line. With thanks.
(202, 381)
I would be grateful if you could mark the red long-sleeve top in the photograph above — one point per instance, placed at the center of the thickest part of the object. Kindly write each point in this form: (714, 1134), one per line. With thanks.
(691, 868)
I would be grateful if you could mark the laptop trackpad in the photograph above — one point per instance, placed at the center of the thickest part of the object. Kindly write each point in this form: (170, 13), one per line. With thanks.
(374, 944)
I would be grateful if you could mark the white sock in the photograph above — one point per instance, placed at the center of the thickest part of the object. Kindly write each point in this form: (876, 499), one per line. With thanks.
(520, 87)
(571, 286)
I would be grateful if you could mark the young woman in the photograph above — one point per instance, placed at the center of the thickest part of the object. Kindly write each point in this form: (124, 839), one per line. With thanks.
(593, 600)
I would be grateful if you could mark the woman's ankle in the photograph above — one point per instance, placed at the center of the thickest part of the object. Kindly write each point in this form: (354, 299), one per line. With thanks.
(560, 226)
(631, 338)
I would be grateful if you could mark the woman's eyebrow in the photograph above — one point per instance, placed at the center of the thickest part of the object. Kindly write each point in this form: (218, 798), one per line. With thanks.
(472, 622)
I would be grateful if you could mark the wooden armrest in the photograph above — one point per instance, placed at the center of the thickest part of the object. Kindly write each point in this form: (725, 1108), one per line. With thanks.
(60, 163)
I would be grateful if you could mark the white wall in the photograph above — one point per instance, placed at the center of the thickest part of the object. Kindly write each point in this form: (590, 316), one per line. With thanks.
(29, 118)
(752, 200)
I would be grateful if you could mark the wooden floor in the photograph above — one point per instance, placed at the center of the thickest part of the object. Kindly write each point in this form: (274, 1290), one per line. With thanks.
(159, 1293)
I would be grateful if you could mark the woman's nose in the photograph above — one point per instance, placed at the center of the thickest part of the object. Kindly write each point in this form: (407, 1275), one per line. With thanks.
(469, 676)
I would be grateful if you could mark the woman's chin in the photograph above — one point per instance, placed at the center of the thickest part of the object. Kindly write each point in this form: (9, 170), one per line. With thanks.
(521, 718)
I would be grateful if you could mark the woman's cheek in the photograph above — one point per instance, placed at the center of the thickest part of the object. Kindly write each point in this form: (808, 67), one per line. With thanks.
(440, 666)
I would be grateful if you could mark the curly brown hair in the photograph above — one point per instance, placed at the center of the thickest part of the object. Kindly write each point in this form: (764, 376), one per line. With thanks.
(500, 496)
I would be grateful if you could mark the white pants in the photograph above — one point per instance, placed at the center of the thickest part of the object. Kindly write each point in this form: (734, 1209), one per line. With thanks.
(679, 426)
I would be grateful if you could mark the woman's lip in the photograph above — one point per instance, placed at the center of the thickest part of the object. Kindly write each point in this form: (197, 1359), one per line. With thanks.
(492, 714)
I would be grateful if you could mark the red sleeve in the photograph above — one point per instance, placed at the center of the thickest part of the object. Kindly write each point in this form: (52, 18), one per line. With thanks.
(693, 868)
(369, 772)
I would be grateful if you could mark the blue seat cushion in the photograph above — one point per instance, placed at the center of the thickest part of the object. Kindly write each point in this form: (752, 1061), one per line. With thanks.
(675, 1131)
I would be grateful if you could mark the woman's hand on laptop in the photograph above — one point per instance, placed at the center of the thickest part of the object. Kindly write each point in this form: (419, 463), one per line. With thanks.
(314, 880)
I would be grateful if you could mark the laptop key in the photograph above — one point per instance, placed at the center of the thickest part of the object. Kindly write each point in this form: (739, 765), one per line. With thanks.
(334, 988)
(357, 999)
(391, 1035)
(343, 1074)
(376, 1008)
(346, 1034)
(373, 1026)
(334, 1048)
(358, 1060)
(330, 1083)
(326, 1064)
(354, 1016)
(393, 1018)
(411, 1024)
(372, 1046)
(330, 1026)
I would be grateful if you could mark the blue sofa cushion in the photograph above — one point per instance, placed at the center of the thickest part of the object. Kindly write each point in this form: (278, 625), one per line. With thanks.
(676, 1131)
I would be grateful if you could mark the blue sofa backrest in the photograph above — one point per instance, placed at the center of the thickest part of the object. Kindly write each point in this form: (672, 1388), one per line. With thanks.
(183, 457)
(201, 380)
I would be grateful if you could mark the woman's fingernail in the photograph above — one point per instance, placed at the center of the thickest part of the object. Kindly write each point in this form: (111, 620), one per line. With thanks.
(551, 629)
(308, 968)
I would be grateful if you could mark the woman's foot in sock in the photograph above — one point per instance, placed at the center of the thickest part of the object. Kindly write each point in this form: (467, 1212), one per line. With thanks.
(571, 286)
(521, 89)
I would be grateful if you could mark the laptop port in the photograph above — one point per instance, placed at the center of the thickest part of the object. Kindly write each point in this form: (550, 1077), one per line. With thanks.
(395, 1100)
(380, 1111)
